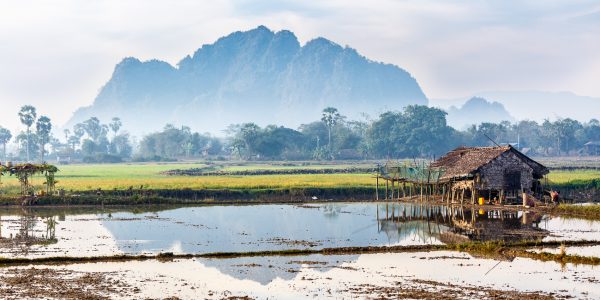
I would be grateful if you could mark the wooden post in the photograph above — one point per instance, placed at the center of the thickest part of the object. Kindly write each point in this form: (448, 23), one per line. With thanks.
(377, 189)
(387, 183)
(386, 211)
(443, 193)
(404, 189)
(393, 187)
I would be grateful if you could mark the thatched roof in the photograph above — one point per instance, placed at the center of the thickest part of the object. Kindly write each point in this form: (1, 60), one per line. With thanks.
(464, 161)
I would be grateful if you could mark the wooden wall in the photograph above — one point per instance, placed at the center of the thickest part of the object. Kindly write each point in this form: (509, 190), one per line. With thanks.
(493, 174)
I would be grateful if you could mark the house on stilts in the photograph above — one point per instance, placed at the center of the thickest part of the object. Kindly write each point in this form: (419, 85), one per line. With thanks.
(499, 174)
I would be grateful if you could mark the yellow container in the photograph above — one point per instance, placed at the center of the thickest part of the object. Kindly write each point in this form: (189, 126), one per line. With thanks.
(481, 201)
(481, 212)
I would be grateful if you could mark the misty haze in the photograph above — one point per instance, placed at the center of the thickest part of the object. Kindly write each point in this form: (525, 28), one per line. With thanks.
(294, 150)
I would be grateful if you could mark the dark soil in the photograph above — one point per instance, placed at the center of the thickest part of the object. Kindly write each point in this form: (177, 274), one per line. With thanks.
(35, 283)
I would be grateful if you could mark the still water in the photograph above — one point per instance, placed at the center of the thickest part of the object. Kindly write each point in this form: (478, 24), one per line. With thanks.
(203, 229)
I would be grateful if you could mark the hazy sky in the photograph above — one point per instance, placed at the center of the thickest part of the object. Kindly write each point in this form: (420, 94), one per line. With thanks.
(57, 54)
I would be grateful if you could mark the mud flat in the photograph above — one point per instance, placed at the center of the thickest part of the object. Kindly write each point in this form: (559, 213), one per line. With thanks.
(431, 275)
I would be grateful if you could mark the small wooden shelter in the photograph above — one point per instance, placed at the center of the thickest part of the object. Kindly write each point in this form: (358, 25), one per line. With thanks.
(499, 173)
(502, 173)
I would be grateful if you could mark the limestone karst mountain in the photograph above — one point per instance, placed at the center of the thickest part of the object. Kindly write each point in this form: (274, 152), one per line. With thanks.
(475, 111)
(252, 76)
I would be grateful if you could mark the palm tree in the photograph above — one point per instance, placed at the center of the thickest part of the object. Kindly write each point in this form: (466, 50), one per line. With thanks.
(5, 136)
(43, 128)
(115, 125)
(67, 133)
(330, 117)
(27, 115)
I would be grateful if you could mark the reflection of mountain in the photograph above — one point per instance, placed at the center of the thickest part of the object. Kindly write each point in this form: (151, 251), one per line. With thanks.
(277, 227)
(247, 228)
(266, 269)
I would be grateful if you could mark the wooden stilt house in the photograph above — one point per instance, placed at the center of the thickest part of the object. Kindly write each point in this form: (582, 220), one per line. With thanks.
(502, 173)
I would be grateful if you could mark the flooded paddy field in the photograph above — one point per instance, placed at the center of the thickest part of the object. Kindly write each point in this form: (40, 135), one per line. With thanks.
(431, 275)
(93, 232)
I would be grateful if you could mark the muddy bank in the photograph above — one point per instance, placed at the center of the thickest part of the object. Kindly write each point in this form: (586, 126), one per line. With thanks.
(200, 196)
(36, 282)
(496, 250)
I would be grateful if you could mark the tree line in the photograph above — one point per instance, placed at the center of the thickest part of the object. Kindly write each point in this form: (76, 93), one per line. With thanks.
(88, 141)
(416, 131)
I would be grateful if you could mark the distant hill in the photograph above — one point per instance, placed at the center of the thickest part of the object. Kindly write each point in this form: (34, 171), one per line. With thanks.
(258, 75)
(475, 111)
(536, 105)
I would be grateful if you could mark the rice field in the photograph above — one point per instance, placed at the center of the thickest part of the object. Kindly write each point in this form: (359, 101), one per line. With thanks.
(562, 177)
(122, 176)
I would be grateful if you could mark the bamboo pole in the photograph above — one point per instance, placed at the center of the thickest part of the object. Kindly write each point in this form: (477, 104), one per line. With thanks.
(387, 183)
(377, 189)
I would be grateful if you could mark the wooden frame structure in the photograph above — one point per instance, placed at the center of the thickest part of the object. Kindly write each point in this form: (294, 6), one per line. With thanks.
(497, 174)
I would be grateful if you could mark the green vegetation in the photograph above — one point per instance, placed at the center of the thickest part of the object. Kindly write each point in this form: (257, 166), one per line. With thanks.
(415, 132)
(581, 211)
(150, 176)
(123, 176)
(574, 180)
(576, 184)
(563, 177)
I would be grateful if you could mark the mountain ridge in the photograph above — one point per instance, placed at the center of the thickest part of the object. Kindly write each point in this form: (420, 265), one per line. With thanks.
(251, 76)
(535, 105)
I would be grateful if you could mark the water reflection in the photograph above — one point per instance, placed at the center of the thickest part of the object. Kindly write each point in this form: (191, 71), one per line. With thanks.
(449, 224)
(266, 269)
(202, 229)
(20, 233)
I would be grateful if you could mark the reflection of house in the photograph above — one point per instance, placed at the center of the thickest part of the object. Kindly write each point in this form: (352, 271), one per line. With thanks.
(491, 172)
(500, 225)
(592, 148)
(450, 224)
